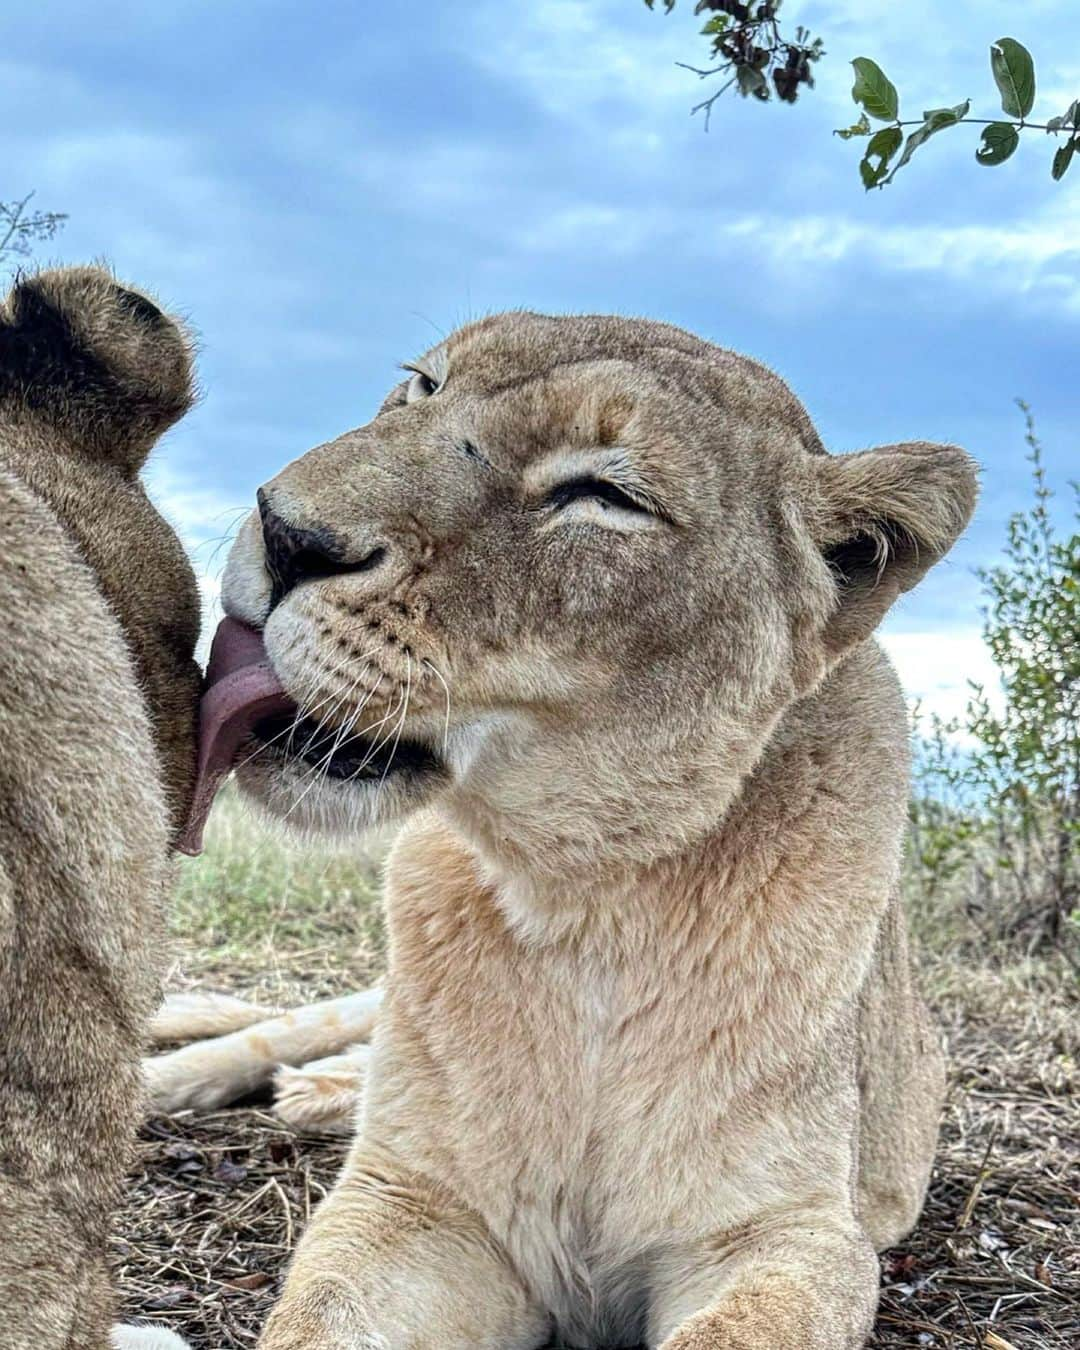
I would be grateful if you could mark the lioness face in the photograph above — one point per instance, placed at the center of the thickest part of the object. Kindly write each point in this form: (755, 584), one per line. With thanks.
(567, 580)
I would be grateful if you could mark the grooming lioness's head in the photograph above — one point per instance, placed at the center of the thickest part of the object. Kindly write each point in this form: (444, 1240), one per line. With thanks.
(566, 582)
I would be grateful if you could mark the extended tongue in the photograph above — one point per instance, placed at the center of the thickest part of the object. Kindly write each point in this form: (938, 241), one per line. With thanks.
(241, 689)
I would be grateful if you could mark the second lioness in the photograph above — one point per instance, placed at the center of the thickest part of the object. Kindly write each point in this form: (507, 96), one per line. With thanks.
(650, 1066)
(98, 693)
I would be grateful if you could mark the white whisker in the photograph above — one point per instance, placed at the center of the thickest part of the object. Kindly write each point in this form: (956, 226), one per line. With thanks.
(374, 750)
(341, 733)
(446, 690)
(343, 696)
(401, 723)
(319, 772)
(303, 710)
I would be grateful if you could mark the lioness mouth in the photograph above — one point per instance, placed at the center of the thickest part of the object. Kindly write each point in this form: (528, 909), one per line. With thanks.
(244, 700)
(356, 757)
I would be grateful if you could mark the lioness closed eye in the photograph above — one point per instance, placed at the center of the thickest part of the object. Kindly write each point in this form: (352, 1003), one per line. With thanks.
(589, 605)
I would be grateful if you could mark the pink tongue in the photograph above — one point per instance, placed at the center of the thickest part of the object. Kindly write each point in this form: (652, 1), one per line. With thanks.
(241, 689)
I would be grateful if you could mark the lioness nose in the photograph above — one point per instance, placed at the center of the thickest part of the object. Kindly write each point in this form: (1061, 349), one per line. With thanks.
(295, 554)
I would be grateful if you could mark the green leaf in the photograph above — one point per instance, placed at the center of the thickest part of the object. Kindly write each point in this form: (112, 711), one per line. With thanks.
(1014, 73)
(859, 128)
(716, 25)
(1068, 119)
(934, 120)
(751, 81)
(947, 117)
(880, 148)
(873, 90)
(999, 140)
(1063, 158)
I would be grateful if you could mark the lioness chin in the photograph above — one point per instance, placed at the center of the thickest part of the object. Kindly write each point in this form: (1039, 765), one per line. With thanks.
(589, 606)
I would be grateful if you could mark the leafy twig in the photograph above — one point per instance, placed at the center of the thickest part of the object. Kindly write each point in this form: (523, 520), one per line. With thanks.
(1014, 73)
(749, 48)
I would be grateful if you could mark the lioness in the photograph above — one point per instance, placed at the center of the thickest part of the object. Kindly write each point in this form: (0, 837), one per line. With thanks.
(98, 693)
(591, 607)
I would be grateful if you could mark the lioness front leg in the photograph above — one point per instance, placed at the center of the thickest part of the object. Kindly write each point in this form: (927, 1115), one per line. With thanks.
(810, 1286)
(391, 1260)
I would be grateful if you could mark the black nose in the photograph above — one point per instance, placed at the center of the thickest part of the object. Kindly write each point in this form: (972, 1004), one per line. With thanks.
(294, 554)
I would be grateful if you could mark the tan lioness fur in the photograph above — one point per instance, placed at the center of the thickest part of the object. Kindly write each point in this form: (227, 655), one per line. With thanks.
(97, 701)
(650, 1065)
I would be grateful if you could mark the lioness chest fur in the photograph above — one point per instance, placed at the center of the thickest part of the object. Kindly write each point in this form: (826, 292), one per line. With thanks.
(683, 1074)
(590, 607)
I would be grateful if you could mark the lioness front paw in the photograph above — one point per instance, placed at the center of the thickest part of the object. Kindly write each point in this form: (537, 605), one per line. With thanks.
(322, 1316)
(779, 1316)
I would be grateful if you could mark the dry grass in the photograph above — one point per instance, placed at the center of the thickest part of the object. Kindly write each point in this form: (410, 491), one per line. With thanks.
(995, 1260)
(218, 1201)
(288, 921)
(216, 1206)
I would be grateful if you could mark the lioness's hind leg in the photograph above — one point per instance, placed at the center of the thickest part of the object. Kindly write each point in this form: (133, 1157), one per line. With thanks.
(196, 1015)
(215, 1072)
(323, 1095)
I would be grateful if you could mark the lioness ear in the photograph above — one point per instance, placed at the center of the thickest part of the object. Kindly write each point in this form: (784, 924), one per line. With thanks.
(97, 361)
(882, 519)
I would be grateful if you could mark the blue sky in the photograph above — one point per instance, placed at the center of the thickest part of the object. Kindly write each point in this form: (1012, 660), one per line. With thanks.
(324, 189)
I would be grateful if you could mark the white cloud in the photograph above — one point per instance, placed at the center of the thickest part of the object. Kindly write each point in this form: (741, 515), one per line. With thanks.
(1060, 85)
(935, 668)
(1037, 259)
(616, 74)
(440, 172)
(575, 57)
(932, 49)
